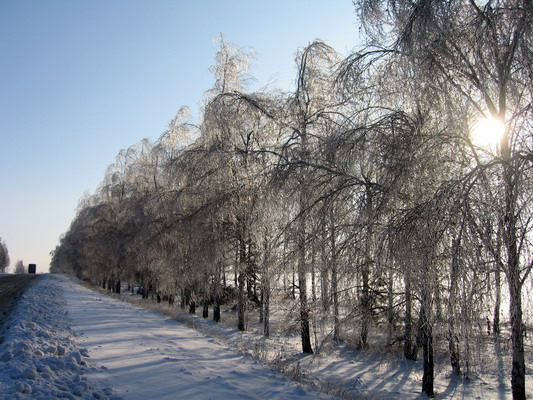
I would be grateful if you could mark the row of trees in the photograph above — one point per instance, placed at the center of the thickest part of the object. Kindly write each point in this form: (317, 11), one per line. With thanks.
(359, 201)
(4, 256)
(19, 268)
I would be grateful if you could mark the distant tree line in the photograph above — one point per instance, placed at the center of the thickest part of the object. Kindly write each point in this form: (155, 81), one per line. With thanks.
(20, 268)
(4, 256)
(358, 202)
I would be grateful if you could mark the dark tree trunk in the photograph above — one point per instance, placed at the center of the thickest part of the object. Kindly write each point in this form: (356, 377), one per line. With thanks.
(205, 310)
(365, 305)
(221, 273)
(324, 275)
(241, 307)
(192, 307)
(262, 308)
(335, 293)
(146, 291)
(334, 278)
(518, 373)
(151, 290)
(184, 299)
(216, 310)
(427, 344)
(453, 341)
(293, 283)
(409, 346)
(302, 283)
(497, 302)
(365, 271)
(390, 303)
(266, 311)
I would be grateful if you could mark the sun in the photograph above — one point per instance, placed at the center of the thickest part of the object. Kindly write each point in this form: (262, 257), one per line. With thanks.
(487, 132)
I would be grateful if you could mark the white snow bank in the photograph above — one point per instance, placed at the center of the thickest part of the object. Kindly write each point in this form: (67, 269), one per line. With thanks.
(146, 355)
(39, 358)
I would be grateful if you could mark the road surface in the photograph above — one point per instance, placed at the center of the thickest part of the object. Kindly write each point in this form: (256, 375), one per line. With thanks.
(11, 287)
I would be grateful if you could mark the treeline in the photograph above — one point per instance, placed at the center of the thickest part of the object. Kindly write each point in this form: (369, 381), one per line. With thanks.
(361, 198)
(4, 256)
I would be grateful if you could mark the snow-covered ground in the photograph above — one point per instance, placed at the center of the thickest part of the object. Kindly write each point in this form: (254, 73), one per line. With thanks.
(64, 340)
(39, 354)
(146, 355)
(376, 373)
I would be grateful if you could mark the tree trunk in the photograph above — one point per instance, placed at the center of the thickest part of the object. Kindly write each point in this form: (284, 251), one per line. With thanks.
(518, 373)
(241, 307)
(205, 310)
(266, 306)
(293, 283)
(497, 302)
(262, 301)
(192, 307)
(365, 305)
(409, 346)
(221, 273)
(334, 276)
(184, 299)
(453, 341)
(302, 284)
(335, 293)
(427, 344)
(390, 303)
(216, 310)
(304, 317)
(326, 265)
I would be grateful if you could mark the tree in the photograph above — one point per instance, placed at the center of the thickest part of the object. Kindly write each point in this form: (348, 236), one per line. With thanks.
(4, 256)
(481, 54)
(20, 268)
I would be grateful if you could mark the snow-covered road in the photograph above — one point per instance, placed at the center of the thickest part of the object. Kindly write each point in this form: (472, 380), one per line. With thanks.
(144, 355)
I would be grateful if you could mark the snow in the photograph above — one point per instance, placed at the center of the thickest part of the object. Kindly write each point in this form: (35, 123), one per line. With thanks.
(39, 356)
(145, 355)
(64, 340)
(376, 373)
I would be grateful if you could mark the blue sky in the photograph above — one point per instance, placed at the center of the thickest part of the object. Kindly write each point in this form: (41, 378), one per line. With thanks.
(80, 80)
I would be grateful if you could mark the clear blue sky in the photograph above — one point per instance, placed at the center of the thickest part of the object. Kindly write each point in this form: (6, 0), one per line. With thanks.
(80, 80)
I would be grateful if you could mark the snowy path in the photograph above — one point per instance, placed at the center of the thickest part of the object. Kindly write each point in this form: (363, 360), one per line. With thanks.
(149, 356)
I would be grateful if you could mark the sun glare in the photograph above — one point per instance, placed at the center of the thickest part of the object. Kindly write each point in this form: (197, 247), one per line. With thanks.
(487, 132)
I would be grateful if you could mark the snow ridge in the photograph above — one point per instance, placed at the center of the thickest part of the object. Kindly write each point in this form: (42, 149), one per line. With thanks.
(39, 357)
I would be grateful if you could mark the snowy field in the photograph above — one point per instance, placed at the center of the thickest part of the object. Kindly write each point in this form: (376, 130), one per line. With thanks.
(64, 340)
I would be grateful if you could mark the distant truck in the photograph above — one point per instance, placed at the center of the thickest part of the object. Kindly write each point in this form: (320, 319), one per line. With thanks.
(32, 268)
